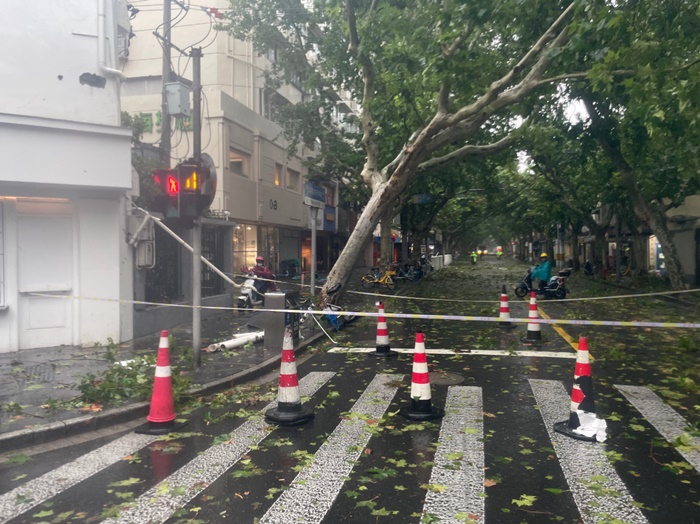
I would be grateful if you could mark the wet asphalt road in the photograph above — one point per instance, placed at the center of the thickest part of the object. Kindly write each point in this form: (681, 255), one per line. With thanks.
(360, 461)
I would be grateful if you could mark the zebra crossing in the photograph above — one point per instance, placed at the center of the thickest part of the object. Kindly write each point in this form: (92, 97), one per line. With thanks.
(455, 491)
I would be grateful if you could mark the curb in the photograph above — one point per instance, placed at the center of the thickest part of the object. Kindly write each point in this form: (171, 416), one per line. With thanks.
(57, 430)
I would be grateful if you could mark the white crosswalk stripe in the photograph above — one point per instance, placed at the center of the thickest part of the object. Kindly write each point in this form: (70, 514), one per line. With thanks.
(54, 482)
(666, 421)
(459, 460)
(162, 500)
(600, 494)
(458, 473)
(315, 488)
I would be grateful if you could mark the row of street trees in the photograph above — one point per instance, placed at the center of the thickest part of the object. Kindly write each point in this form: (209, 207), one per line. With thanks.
(452, 92)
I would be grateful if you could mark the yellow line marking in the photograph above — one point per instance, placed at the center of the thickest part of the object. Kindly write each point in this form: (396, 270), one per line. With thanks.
(562, 333)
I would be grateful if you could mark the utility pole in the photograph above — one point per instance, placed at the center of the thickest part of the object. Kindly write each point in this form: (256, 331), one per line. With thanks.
(165, 115)
(197, 226)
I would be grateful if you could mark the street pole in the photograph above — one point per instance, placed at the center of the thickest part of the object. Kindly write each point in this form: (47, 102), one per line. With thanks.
(314, 216)
(197, 225)
(197, 103)
(165, 115)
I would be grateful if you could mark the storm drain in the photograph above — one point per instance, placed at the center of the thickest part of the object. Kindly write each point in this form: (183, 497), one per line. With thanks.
(37, 374)
(445, 379)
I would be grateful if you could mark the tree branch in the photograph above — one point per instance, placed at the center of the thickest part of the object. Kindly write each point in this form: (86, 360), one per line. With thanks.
(468, 150)
(369, 141)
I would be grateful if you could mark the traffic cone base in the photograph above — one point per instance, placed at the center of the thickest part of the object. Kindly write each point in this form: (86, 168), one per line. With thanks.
(419, 413)
(289, 410)
(568, 427)
(289, 414)
(159, 428)
(384, 351)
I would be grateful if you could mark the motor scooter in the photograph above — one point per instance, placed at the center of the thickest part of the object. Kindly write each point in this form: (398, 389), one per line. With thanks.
(253, 290)
(555, 288)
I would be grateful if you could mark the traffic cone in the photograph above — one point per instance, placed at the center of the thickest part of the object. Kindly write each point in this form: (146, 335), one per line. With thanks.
(421, 407)
(289, 411)
(383, 347)
(161, 417)
(534, 335)
(583, 423)
(504, 314)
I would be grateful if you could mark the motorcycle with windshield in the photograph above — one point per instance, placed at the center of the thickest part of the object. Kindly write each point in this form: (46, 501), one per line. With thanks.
(555, 288)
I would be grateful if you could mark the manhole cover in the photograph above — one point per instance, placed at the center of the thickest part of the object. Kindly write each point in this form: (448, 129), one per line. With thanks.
(445, 379)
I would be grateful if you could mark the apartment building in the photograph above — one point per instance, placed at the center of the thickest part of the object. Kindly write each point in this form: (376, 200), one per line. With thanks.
(258, 208)
(65, 268)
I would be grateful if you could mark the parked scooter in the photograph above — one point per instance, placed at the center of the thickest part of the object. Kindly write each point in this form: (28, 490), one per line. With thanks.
(555, 288)
(253, 290)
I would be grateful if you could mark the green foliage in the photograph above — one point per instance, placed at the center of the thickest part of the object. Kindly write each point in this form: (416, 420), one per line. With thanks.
(133, 380)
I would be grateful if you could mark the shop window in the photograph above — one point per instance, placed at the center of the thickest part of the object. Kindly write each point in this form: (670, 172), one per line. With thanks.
(245, 246)
(238, 163)
(293, 180)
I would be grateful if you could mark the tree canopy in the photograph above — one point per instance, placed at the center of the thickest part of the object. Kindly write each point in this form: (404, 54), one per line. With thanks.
(442, 82)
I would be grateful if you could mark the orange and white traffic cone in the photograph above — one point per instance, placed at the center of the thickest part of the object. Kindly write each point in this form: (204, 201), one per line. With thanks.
(504, 312)
(383, 347)
(534, 333)
(421, 407)
(583, 423)
(161, 417)
(289, 410)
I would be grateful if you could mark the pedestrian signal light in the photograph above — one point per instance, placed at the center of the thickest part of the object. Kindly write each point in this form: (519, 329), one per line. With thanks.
(167, 201)
(173, 185)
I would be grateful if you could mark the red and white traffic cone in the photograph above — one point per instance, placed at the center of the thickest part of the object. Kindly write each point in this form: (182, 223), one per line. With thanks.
(583, 423)
(161, 417)
(421, 407)
(383, 347)
(504, 312)
(289, 410)
(534, 333)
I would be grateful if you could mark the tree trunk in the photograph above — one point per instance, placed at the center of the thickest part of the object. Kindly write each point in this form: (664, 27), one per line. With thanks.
(639, 263)
(386, 246)
(382, 198)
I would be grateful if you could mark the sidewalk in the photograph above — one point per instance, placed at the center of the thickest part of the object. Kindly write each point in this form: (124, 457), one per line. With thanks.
(30, 379)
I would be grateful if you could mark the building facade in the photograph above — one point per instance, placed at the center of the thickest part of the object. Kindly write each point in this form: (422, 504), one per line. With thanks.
(65, 267)
(258, 208)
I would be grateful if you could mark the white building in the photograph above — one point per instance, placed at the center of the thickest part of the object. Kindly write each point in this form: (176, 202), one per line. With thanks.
(64, 262)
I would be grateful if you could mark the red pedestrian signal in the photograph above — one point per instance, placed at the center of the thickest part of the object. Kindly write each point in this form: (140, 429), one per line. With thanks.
(173, 185)
(167, 202)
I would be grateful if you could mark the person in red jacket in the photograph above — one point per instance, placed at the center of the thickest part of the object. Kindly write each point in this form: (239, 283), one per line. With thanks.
(263, 272)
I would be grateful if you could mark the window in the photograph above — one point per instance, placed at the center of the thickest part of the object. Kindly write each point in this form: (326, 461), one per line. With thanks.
(245, 246)
(330, 195)
(279, 174)
(238, 162)
(293, 179)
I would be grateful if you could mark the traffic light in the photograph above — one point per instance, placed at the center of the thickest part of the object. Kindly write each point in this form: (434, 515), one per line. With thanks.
(193, 179)
(167, 202)
(186, 191)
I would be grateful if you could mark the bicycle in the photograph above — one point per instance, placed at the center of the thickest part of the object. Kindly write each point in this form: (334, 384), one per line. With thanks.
(373, 280)
(332, 311)
(406, 272)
